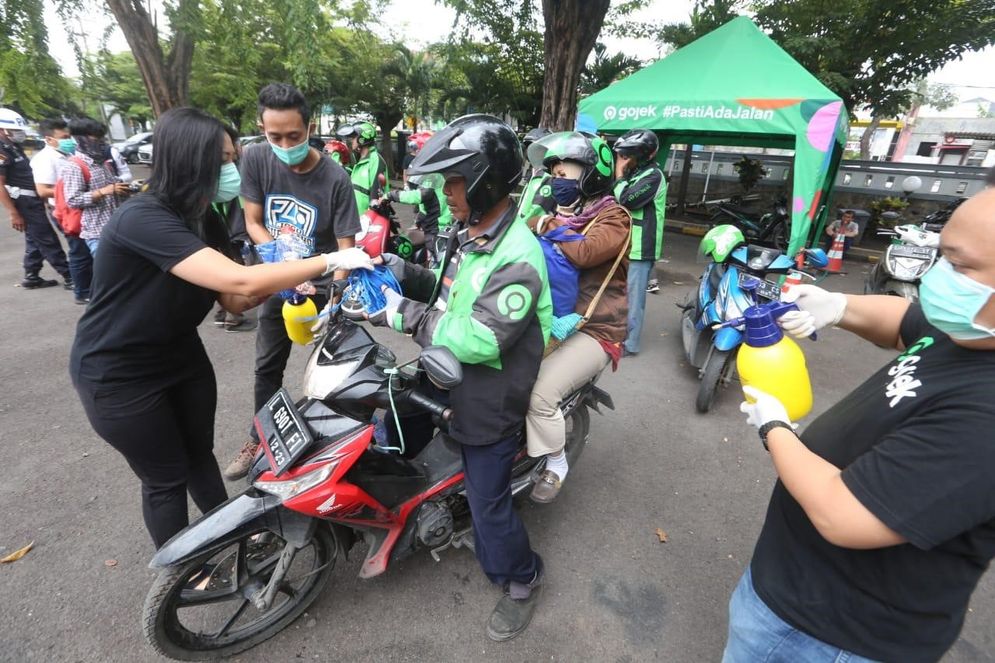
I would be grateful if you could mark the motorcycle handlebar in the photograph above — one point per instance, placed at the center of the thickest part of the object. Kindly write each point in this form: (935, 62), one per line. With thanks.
(426, 403)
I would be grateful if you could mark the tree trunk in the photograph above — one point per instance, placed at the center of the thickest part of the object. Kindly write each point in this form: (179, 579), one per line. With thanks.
(166, 77)
(865, 138)
(386, 122)
(572, 28)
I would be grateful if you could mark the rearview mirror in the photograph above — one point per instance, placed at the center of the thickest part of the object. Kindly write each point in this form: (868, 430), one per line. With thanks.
(441, 366)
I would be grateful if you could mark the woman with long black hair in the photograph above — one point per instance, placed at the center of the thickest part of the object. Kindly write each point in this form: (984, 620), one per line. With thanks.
(141, 371)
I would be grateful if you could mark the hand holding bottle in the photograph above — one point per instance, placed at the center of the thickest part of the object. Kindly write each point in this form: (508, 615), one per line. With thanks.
(818, 308)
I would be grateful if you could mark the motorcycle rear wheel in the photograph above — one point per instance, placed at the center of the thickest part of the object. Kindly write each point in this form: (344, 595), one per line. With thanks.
(578, 430)
(227, 575)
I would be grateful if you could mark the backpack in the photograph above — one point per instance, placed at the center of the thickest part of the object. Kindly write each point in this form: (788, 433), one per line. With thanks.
(69, 218)
(564, 276)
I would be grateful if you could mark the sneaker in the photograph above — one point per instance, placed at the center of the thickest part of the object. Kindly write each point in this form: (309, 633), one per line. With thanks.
(243, 325)
(33, 281)
(82, 301)
(546, 487)
(513, 612)
(67, 283)
(239, 467)
(219, 317)
(653, 286)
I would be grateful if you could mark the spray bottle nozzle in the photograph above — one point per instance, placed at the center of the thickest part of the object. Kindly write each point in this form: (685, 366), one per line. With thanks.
(761, 323)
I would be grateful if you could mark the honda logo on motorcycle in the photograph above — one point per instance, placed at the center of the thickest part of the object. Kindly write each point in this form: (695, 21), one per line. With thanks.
(629, 112)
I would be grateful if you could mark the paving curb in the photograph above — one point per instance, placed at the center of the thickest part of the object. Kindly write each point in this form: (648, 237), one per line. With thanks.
(699, 229)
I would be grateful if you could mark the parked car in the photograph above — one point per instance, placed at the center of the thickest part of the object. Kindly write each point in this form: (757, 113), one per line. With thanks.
(129, 148)
(144, 154)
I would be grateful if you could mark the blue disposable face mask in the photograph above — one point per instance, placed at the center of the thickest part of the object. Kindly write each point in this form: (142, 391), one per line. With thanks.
(951, 301)
(291, 155)
(565, 191)
(67, 146)
(228, 184)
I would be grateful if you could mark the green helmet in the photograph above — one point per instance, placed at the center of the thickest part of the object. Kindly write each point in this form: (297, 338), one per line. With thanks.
(720, 241)
(364, 131)
(592, 152)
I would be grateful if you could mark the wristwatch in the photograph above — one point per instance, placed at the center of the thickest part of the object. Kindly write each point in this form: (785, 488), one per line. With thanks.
(771, 425)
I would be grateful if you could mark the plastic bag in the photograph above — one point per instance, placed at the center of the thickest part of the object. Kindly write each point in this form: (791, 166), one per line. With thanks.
(284, 248)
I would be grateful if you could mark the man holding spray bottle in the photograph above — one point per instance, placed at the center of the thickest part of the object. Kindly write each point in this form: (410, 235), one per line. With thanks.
(883, 518)
(288, 187)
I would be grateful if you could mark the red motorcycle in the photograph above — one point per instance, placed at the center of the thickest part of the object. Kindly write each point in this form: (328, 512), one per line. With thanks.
(325, 478)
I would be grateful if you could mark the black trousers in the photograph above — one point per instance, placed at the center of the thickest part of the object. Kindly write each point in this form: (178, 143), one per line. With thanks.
(40, 241)
(273, 349)
(166, 433)
(500, 539)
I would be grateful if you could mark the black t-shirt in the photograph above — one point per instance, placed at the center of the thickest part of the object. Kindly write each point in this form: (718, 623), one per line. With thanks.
(917, 448)
(141, 323)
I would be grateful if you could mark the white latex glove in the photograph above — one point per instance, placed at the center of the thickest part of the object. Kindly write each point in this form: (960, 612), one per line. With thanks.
(764, 409)
(346, 260)
(818, 308)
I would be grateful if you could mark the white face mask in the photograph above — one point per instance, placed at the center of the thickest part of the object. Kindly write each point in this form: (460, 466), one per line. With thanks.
(16, 135)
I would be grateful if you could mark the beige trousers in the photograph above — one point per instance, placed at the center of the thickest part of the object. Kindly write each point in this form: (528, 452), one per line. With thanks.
(577, 361)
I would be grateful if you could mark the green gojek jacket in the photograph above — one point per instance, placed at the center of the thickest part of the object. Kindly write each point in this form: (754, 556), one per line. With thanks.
(366, 181)
(493, 310)
(644, 194)
(434, 213)
(537, 197)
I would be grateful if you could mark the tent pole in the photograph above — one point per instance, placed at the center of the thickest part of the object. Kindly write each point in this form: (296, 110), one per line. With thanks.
(708, 175)
(682, 193)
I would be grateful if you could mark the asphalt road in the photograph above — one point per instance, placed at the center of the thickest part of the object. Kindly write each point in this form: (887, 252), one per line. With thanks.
(614, 592)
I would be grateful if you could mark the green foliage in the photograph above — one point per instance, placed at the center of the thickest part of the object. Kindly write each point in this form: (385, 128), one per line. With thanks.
(30, 79)
(887, 204)
(750, 172)
(113, 79)
(868, 52)
(603, 69)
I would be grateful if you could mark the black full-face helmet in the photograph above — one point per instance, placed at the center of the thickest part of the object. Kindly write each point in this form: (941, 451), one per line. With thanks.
(533, 135)
(480, 148)
(591, 152)
(641, 144)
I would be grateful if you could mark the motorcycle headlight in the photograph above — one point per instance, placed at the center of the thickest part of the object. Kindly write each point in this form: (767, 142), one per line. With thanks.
(294, 487)
(319, 381)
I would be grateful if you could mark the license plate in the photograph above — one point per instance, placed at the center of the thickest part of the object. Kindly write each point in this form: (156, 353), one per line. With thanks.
(907, 251)
(765, 289)
(284, 434)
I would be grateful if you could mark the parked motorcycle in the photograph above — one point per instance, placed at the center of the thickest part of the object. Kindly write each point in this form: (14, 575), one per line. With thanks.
(913, 252)
(770, 229)
(324, 478)
(381, 233)
(734, 279)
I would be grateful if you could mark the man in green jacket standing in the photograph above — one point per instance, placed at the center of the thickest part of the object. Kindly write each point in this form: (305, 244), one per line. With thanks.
(640, 188)
(369, 175)
(490, 304)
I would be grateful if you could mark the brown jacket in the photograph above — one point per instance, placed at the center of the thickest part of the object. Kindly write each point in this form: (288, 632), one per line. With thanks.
(595, 257)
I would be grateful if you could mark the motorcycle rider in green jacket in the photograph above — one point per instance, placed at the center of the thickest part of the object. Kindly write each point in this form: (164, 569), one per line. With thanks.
(369, 174)
(490, 304)
(642, 189)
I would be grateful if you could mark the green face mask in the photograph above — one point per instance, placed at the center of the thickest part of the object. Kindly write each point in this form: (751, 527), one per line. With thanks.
(291, 155)
(67, 146)
(228, 183)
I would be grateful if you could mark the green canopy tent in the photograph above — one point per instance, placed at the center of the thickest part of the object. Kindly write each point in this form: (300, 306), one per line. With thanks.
(735, 86)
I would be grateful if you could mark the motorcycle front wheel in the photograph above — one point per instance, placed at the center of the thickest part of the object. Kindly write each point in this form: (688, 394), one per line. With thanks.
(201, 610)
(712, 374)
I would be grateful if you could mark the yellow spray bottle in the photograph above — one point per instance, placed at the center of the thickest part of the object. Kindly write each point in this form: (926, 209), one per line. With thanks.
(772, 362)
(299, 314)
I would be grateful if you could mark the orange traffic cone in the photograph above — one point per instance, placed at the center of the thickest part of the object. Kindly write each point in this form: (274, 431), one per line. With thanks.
(835, 265)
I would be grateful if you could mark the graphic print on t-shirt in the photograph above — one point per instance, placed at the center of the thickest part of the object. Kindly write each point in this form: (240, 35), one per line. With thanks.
(905, 383)
(284, 213)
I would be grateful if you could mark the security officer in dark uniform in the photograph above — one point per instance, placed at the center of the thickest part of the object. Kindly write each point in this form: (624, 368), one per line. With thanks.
(26, 209)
